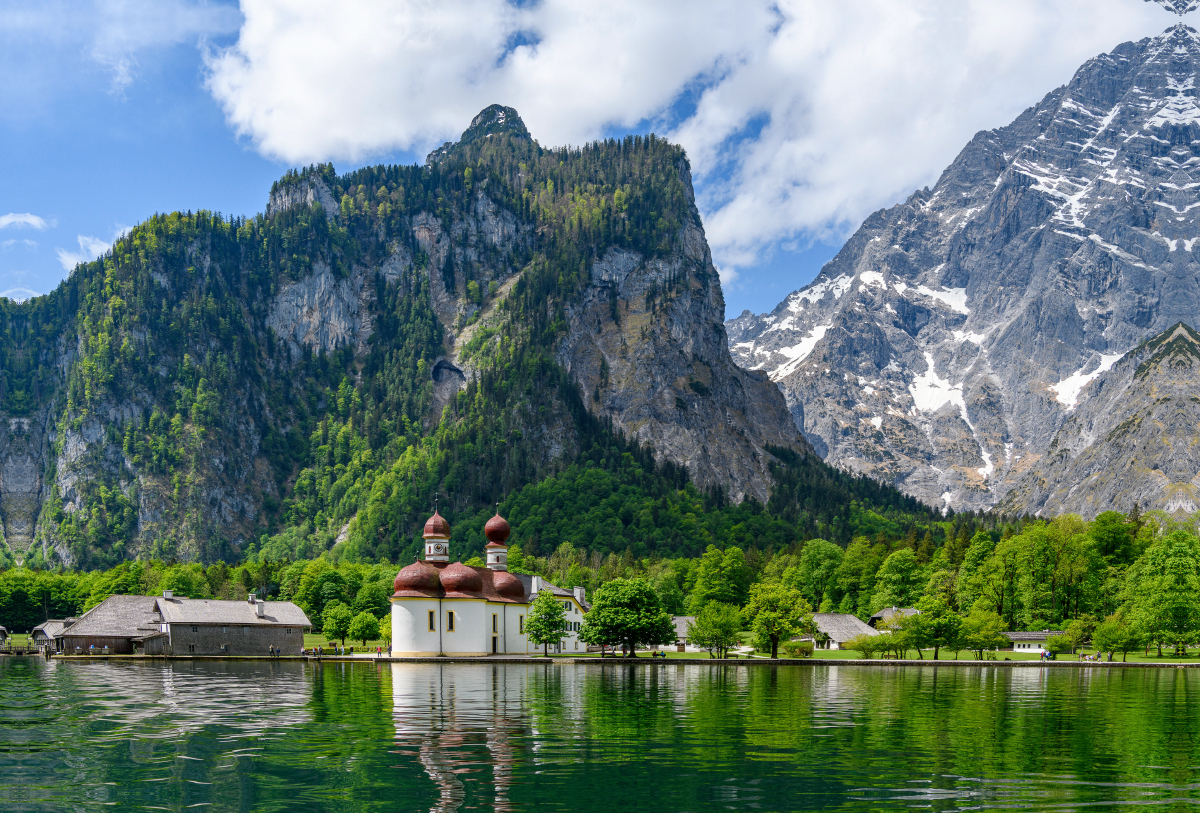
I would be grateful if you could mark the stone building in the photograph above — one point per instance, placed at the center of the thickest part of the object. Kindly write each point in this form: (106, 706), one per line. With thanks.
(173, 625)
(212, 627)
(444, 608)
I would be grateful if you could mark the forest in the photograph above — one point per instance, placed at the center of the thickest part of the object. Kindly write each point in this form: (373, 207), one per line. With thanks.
(208, 437)
(1140, 574)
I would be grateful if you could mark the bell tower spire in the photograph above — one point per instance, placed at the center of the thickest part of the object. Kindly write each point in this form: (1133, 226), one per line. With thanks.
(437, 537)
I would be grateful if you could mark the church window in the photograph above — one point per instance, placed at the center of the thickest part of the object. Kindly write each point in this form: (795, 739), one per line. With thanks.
(432, 621)
(495, 623)
(450, 621)
(521, 624)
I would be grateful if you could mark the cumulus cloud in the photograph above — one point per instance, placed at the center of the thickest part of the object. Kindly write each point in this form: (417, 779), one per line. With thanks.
(29, 244)
(800, 116)
(89, 249)
(308, 80)
(13, 220)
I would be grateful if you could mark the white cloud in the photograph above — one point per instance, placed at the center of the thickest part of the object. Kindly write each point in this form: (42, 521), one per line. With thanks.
(111, 33)
(89, 249)
(310, 80)
(13, 220)
(29, 244)
(808, 114)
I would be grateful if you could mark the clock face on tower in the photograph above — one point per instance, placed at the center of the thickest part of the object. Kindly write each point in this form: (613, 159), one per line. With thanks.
(437, 547)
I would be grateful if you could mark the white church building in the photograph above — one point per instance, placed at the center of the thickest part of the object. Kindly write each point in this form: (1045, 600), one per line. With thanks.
(443, 608)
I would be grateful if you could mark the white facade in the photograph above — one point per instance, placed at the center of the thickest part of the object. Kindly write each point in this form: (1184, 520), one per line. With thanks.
(423, 627)
(452, 609)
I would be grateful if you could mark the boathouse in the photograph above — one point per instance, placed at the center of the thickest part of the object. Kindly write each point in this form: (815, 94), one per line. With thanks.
(114, 624)
(45, 634)
(197, 626)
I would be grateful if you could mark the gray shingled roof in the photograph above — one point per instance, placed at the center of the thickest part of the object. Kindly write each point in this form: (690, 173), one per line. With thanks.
(887, 612)
(527, 583)
(52, 627)
(841, 627)
(1032, 636)
(681, 625)
(117, 617)
(240, 613)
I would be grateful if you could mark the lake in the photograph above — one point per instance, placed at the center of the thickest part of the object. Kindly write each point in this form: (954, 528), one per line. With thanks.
(265, 736)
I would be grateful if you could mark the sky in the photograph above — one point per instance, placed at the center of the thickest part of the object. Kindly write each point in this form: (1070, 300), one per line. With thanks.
(800, 117)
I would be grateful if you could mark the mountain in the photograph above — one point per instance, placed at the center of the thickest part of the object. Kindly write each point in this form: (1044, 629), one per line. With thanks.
(1132, 440)
(955, 335)
(310, 378)
(1180, 7)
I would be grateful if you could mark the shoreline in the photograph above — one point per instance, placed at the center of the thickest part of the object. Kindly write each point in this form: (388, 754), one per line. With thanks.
(643, 661)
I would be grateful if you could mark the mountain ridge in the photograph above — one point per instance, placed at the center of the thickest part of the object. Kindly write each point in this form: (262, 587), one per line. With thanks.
(945, 346)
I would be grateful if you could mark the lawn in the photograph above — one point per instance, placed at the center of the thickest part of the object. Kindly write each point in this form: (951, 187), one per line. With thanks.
(311, 640)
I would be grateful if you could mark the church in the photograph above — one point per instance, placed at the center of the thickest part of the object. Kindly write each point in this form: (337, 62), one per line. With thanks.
(442, 608)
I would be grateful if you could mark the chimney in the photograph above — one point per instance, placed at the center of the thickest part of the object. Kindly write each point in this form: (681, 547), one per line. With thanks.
(168, 594)
(260, 608)
(537, 586)
(253, 597)
(579, 594)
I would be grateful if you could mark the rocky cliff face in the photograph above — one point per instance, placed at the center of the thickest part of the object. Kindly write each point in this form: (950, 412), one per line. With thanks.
(947, 344)
(1132, 440)
(209, 371)
(648, 350)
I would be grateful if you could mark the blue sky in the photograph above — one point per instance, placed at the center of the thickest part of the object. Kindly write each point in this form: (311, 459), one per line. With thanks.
(800, 116)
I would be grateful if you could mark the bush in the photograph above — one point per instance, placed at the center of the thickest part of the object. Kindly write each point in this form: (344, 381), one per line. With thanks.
(798, 649)
(865, 645)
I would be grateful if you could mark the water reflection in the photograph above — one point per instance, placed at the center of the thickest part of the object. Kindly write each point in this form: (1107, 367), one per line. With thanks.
(73, 735)
(466, 725)
(517, 737)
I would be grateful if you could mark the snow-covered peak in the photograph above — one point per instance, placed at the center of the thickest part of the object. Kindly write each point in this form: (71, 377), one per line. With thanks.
(952, 337)
(1180, 7)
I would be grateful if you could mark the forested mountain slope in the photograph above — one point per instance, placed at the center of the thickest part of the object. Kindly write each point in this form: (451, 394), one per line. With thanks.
(952, 338)
(308, 379)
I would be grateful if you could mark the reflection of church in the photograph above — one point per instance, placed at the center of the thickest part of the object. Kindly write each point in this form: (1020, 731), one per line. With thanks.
(444, 608)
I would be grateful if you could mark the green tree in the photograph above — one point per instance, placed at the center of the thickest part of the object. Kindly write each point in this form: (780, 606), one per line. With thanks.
(983, 629)
(716, 629)
(336, 620)
(1163, 590)
(363, 627)
(936, 625)
(546, 622)
(814, 575)
(1116, 634)
(777, 612)
(1113, 536)
(899, 581)
(722, 576)
(866, 645)
(627, 612)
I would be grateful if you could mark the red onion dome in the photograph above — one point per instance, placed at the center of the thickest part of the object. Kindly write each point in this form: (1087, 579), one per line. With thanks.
(437, 527)
(458, 578)
(496, 530)
(419, 577)
(508, 585)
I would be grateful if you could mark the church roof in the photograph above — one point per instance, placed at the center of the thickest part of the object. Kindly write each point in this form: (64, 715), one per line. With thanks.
(456, 580)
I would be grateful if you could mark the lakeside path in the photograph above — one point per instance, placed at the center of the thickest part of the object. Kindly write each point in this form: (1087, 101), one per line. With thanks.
(644, 661)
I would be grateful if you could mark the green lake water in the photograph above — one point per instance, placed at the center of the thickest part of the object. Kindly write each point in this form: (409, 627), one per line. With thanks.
(262, 736)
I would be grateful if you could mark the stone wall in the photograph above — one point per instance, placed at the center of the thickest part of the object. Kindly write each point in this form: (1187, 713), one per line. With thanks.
(257, 639)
